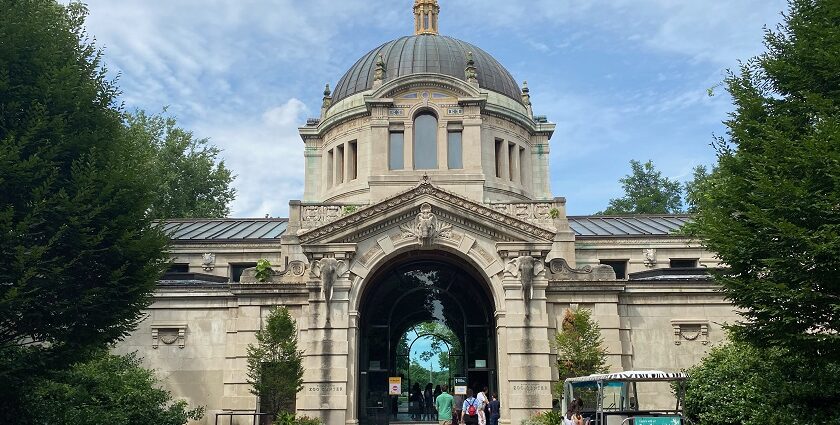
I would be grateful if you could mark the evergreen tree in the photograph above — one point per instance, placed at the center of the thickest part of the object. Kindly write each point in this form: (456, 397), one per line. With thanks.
(275, 366)
(79, 254)
(771, 209)
(580, 349)
(192, 182)
(646, 192)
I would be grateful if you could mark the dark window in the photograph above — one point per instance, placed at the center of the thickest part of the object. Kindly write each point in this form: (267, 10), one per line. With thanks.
(179, 268)
(339, 164)
(683, 263)
(396, 149)
(352, 160)
(425, 142)
(237, 269)
(330, 166)
(620, 267)
(499, 153)
(454, 149)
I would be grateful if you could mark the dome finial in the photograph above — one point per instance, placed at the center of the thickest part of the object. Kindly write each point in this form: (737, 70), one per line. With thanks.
(426, 17)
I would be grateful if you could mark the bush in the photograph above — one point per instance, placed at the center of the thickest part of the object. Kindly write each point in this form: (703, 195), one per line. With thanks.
(545, 418)
(738, 383)
(291, 419)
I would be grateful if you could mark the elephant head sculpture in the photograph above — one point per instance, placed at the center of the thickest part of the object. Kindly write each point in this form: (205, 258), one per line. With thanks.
(328, 269)
(526, 268)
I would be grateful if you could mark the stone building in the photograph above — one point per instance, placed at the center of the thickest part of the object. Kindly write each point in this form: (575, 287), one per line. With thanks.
(426, 199)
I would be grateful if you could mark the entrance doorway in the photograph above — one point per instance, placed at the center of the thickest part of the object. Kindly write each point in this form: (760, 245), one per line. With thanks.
(426, 318)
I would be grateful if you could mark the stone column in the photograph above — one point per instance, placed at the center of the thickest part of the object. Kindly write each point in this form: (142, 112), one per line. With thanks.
(525, 338)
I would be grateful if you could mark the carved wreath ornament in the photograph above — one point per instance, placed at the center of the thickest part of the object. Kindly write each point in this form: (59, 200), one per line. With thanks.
(426, 227)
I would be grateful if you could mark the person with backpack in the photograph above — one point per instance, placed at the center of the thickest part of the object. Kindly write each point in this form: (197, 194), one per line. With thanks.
(469, 411)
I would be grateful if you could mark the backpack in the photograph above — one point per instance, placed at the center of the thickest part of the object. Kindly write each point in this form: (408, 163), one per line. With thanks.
(471, 411)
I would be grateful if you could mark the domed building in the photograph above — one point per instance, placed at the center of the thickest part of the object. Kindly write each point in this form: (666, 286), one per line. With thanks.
(427, 213)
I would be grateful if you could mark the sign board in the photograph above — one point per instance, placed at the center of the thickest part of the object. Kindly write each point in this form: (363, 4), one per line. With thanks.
(480, 363)
(657, 420)
(394, 385)
(460, 386)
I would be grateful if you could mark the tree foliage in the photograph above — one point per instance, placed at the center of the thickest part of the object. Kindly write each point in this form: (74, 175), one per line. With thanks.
(192, 181)
(771, 209)
(694, 187)
(646, 191)
(79, 253)
(738, 383)
(105, 390)
(275, 365)
(580, 349)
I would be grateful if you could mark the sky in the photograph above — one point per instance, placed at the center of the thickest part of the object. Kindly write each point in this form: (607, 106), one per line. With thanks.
(622, 79)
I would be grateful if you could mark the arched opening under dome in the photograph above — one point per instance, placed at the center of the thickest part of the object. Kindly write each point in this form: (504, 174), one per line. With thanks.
(426, 318)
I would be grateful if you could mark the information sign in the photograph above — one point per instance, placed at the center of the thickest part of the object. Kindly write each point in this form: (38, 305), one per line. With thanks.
(656, 420)
(460, 386)
(394, 385)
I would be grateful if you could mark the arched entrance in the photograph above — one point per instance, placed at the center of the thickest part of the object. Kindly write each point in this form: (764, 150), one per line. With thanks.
(434, 288)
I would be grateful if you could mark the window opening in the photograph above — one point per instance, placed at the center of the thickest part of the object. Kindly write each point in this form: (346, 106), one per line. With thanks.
(396, 148)
(454, 154)
(425, 142)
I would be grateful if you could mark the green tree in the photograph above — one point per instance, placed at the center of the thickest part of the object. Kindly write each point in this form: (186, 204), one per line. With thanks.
(192, 181)
(771, 209)
(275, 365)
(79, 253)
(107, 389)
(580, 347)
(738, 383)
(693, 187)
(646, 192)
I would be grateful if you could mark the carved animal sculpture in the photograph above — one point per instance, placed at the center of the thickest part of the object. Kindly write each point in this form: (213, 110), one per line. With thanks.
(329, 269)
(526, 268)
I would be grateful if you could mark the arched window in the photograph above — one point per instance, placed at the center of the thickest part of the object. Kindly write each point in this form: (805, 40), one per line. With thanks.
(425, 141)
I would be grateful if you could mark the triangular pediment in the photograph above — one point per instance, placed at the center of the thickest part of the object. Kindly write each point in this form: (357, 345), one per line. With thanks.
(448, 208)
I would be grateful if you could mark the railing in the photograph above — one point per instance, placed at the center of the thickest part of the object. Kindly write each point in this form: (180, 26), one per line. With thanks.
(232, 413)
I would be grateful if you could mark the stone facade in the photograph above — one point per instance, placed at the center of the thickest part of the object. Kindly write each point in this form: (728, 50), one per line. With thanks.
(493, 214)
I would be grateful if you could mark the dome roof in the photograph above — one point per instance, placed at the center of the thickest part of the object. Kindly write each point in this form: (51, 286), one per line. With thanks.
(427, 53)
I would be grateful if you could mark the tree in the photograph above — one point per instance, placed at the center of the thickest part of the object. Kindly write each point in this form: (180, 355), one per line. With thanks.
(771, 209)
(107, 389)
(693, 187)
(738, 383)
(580, 349)
(275, 366)
(646, 192)
(79, 253)
(191, 181)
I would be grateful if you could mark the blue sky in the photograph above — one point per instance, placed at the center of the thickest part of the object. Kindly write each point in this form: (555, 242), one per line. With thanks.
(623, 79)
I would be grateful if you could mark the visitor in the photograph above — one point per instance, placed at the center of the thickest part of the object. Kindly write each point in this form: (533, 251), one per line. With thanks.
(437, 392)
(415, 402)
(444, 406)
(482, 400)
(428, 402)
(469, 410)
(495, 409)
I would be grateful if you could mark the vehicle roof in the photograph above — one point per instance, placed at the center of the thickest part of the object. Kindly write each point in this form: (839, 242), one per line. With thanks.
(632, 376)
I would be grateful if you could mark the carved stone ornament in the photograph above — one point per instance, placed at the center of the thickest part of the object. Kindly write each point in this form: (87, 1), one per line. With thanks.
(296, 268)
(650, 257)
(560, 270)
(328, 269)
(169, 334)
(208, 261)
(426, 227)
(690, 330)
(525, 268)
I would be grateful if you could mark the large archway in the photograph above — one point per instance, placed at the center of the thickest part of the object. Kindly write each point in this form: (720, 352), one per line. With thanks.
(422, 287)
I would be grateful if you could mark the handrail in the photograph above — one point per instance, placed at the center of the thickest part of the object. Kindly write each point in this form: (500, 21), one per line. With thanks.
(232, 413)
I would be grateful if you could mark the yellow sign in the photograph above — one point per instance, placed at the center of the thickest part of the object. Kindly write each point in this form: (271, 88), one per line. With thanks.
(394, 385)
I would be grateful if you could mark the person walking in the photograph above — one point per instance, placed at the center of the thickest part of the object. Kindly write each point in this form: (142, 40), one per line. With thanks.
(495, 409)
(435, 395)
(482, 400)
(444, 406)
(469, 410)
(428, 402)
